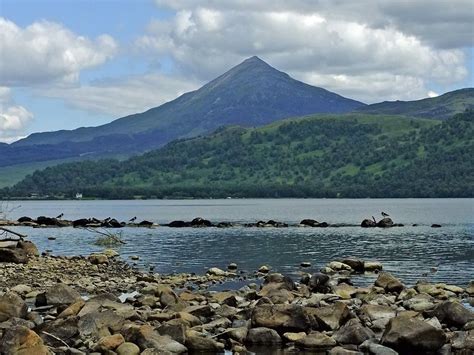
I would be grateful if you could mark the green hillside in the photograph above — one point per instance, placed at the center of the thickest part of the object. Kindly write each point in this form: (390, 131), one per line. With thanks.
(441, 107)
(351, 155)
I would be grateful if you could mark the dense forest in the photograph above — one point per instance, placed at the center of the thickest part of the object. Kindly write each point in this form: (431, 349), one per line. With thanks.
(353, 155)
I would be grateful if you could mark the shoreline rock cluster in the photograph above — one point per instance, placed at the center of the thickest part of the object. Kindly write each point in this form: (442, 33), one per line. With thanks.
(71, 306)
(198, 222)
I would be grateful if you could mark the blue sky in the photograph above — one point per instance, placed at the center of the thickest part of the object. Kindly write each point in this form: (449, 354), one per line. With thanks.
(66, 64)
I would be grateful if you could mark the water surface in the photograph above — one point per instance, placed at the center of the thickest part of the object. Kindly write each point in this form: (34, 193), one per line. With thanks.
(409, 252)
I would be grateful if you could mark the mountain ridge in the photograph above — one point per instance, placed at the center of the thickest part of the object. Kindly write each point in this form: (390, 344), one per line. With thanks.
(251, 93)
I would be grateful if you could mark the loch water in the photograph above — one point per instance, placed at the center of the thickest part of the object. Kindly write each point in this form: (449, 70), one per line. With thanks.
(412, 253)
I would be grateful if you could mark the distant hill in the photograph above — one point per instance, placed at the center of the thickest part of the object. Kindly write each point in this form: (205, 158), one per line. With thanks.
(352, 155)
(441, 107)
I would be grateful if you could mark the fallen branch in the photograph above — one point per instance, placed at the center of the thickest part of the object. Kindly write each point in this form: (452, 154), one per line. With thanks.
(21, 236)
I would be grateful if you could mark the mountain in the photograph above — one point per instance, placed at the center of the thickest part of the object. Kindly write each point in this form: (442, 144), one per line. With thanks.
(352, 155)
(251, 94)
(441, 107)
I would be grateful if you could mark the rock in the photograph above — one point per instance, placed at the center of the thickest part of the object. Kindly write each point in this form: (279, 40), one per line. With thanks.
(238, 334)
(376, 349)
(372, 266)
(200, 222)
(356, 264)
(64, 329)
(22, 341)
(330, 317)
(198, 343)
(97, 259)
(281, 317)
(215, 271)
(28, 247)
(305, 264)
(315, 340)
(353, 332)
(338, 266)
(263, 336)
(110, 342)
(21, 289)
(470, 288)
(146, 337)
(178, 224)
(389, 282)
(25, 219)
(434, 225)
(59, 294)
(145, 223)
(319, 283)
(128, 349)
(309, 222)
(282, 280)
(264, 269)
(376, 311)
(175, 329)
(366, 223)
(385, 223)
(12, 305)
(292, 337)
(16, 255)
(232, 266)
(110, 253)
(344, 291)
(453, 314)
(339, 350)
(408, 335)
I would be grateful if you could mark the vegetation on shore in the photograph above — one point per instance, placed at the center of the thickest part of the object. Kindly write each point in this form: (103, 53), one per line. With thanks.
(354, 155)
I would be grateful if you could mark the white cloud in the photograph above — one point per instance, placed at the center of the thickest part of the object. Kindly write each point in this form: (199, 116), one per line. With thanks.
(46, 52)
(123, 97)
(13, 118)
(373, 44)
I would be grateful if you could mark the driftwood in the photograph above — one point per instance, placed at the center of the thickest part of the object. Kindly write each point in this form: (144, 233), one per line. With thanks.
(21, 236)
(107, 234)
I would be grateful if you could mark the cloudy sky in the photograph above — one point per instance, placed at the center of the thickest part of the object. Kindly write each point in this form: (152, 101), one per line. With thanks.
(67, 64)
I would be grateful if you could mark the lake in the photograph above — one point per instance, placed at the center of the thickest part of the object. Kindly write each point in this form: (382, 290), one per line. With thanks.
(409, 252)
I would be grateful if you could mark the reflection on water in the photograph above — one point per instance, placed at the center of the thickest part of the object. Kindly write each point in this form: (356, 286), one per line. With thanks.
(445, 254)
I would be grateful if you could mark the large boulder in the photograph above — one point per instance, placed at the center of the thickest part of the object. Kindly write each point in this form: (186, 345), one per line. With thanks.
(20, 340)
(319, 283)
(28, 247)
(389, 282)
(197, 342)
(410, 335)
(13, 255)
(366, 223)
(453, 314)
(59, 294)
(200, 222)
(315, 341)
(62, 328)
(12, 306)
(263, 336)
(385, 223)
(353, 332)
(330, 317)
(146, 337)
(281, 317)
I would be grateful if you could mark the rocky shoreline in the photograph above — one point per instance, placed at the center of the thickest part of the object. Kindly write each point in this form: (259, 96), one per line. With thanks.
(198, 222)
(71, 305)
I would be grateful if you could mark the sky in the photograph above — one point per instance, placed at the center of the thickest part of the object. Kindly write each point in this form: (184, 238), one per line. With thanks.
(66, 64)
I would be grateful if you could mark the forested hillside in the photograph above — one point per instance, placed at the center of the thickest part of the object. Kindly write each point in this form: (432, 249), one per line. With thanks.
(352, 155)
